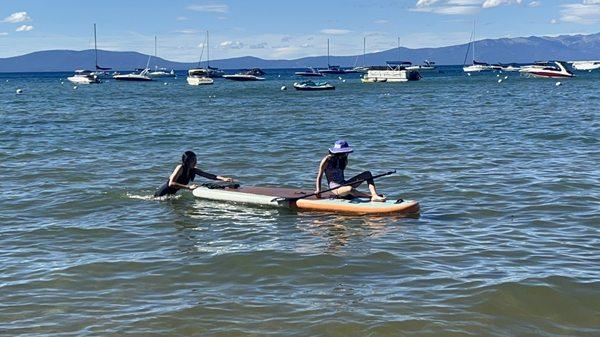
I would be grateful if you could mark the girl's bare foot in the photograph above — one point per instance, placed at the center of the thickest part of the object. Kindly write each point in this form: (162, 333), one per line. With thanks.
(377, 198)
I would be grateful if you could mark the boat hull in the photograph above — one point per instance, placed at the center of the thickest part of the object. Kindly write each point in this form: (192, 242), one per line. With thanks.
(392, 76)
(199, 80)
(82, 80)
(243, 78)
(131, 78)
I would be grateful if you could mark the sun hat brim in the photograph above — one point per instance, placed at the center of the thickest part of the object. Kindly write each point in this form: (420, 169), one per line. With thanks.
(341, 150)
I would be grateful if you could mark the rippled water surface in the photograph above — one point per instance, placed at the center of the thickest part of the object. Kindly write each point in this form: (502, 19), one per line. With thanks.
(507, 243)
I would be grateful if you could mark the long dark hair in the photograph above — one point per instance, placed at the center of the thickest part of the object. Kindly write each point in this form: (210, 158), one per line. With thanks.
(339, 160)
(188, 159)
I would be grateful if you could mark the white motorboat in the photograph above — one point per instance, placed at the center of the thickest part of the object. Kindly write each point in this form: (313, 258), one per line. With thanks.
(159, 72)
(585, 65)
(549, 69)
(426, 66)
(393, 72)
(198, 76)
(476, 66)
(310, 72)
(83, 77)
(253, 74)
(141, 75)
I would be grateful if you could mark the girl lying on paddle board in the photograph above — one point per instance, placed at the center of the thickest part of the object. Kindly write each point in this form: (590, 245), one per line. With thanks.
(183, 174)
(334, 164)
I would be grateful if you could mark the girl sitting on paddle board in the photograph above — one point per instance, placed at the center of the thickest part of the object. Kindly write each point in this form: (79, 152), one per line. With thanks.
(183, 174)
(334, 164)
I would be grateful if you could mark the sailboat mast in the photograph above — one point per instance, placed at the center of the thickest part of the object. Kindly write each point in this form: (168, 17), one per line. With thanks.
(95, 46)
(155, 54)
(328, 53)
(364, 51)
(399, 55)
(207, 52)
(473, 41)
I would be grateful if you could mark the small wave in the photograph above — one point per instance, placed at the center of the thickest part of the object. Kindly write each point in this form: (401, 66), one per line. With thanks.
(152, 197)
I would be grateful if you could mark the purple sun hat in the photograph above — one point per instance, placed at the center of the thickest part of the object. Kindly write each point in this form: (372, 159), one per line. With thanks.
(341, 146)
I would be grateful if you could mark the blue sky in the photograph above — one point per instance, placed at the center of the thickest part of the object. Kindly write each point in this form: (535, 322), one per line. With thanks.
(280, 29)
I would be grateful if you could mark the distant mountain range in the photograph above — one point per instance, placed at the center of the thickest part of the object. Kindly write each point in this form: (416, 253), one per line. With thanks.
(505, 50)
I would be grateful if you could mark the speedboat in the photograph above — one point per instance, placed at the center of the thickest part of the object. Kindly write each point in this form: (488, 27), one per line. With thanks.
(198, 76)
(253, 74)
(310, 72)
(550, 69)
(392, 72)
(426, 66)
(83, 77)
(586, 65)
(162, 72)
(140, 75)
(358, 70)
(313, 86)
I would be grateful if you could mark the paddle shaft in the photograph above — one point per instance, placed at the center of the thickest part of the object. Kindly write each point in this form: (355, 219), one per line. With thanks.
(360, 181)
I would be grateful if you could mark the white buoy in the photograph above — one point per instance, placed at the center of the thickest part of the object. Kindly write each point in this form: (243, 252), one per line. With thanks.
(498, 75)
(283, 88)
(500, 81)
(339, 77)
(343, 81)
(19, 91)
(74, 87)
(558, 84)
(278, 76)
(165, 83)
(468, 74)
(61, 82)
(506, 77)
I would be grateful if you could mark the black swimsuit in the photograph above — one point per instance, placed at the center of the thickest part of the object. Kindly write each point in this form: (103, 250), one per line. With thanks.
(184, 178)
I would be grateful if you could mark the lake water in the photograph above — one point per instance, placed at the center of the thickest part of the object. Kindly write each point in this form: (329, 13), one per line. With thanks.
(507, 243)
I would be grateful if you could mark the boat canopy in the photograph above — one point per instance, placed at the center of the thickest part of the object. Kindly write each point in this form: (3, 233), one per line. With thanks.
(197, 72)
(480, 63)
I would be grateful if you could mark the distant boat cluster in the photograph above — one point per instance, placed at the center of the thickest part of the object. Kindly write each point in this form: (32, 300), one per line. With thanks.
(393, 71)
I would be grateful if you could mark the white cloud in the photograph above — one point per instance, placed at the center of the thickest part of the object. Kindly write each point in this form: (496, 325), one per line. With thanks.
(459, 7)
(380, 22)
(261, 45)
(3, 33)
(585, 13)
(186, 31)
(333, 31)
(182, 18)
(24, 28)
(495, 3)
(553, 21)
(231, 45)
(214, 7)
(535, 4)
(17, 17)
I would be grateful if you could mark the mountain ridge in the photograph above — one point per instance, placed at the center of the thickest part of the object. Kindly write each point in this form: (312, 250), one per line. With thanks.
(503, 50)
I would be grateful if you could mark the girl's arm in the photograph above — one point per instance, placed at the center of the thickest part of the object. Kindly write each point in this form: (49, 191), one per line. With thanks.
(172, 179)
(320, 173)
(211, 176)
